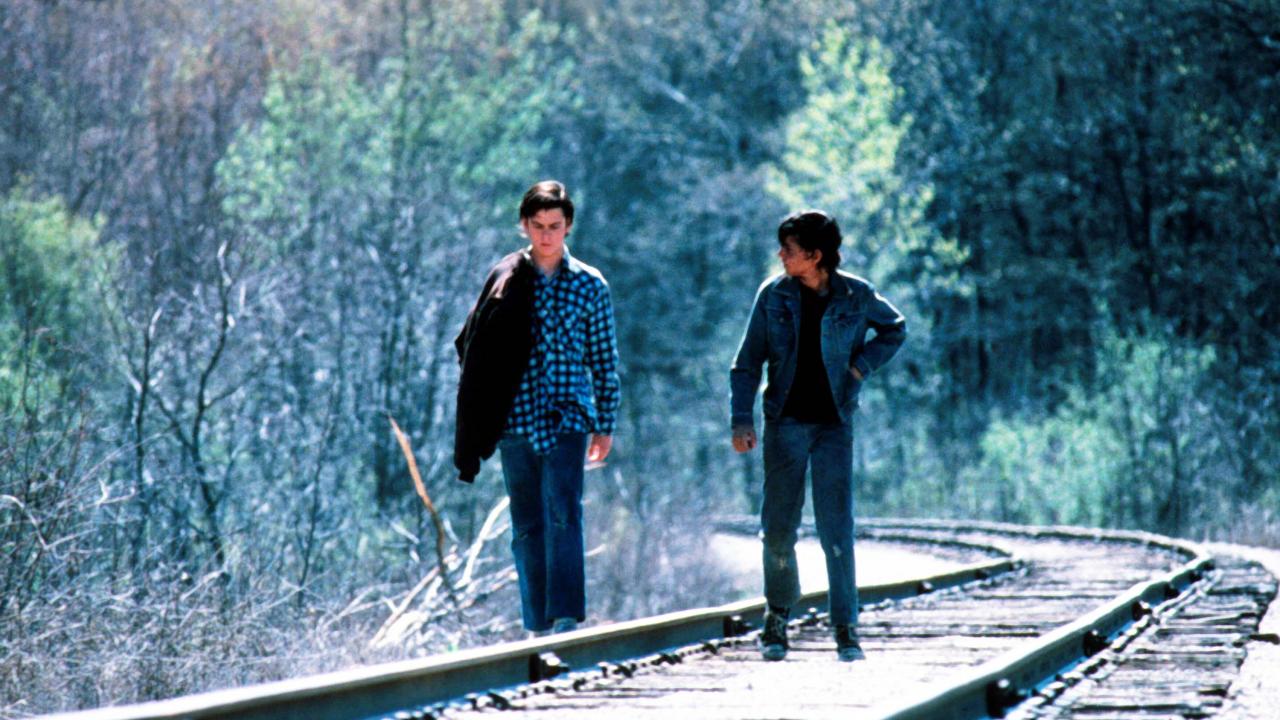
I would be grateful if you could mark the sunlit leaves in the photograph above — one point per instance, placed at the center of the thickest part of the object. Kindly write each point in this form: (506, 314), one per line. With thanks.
(49, 267)
(841, 155)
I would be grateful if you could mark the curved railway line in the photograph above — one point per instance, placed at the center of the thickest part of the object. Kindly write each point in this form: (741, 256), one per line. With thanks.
(1042, 623)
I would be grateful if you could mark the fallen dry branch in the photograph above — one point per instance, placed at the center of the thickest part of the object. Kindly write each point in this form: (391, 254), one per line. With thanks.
(426, 499)
(421, 605)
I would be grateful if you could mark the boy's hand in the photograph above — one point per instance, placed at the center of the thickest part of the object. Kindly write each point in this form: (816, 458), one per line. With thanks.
(599, 448)
(744, 438)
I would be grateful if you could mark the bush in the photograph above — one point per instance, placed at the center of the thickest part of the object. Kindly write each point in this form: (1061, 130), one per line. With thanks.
(1141, 450)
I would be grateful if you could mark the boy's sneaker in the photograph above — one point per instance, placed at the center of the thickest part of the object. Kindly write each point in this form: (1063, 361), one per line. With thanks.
(563, 625)
(848, 648)
(773, 638)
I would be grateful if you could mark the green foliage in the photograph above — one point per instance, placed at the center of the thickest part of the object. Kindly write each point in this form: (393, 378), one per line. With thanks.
(841, 156)
(433, 131)
(49, 321)
(1139, 451)
(1079, 153)
(320, 149)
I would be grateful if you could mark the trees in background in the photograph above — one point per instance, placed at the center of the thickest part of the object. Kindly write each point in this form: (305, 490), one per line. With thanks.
(1098, 166)
(237, 238)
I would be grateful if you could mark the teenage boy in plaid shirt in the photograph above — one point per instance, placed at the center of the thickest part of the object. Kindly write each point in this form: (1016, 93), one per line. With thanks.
(564, 409)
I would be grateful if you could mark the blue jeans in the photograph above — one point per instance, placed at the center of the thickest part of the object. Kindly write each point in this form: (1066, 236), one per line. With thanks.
(827, 451)
(546, 526)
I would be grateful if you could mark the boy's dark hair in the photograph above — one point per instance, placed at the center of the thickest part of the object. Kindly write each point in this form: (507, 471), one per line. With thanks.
(813, 230)
(546, 195)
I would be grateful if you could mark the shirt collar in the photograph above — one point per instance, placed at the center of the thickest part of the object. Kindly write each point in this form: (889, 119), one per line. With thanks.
(562, 269)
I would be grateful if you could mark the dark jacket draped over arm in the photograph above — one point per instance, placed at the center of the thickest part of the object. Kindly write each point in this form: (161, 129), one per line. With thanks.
(493, 349)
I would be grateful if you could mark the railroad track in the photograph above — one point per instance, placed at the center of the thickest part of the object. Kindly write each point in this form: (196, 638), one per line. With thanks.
(1050, 623)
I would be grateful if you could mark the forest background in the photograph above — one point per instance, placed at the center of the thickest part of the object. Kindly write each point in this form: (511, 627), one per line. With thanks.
(237, 237)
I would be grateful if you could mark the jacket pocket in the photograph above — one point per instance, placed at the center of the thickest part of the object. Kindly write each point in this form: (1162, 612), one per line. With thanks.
(781, 331)
(845, 333)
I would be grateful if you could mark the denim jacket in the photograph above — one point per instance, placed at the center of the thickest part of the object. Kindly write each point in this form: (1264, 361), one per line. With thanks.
(773, 334)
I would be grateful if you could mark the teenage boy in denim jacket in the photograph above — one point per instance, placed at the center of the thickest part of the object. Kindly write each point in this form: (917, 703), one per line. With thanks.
(810, 324)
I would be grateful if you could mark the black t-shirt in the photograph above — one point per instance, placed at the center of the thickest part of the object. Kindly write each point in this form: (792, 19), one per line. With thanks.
(809, 399)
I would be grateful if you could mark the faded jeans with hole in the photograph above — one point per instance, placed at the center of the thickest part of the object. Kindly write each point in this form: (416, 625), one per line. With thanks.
(826, 451)
(546, 526)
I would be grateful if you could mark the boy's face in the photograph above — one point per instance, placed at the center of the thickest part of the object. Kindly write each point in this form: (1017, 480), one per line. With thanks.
(546, 230)
(797, 261)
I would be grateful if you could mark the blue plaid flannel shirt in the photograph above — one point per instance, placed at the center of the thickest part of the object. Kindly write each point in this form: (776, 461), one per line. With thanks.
(571, 383)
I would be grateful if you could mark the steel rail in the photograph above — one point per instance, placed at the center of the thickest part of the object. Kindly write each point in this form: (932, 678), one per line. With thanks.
(384, 689)
(996, 686)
